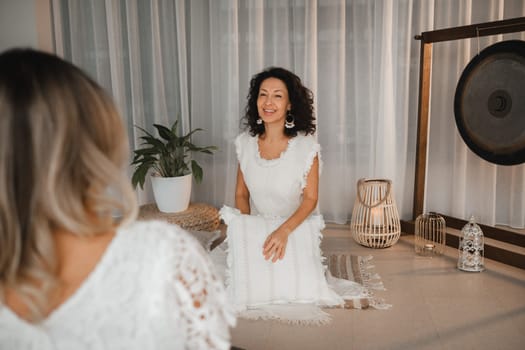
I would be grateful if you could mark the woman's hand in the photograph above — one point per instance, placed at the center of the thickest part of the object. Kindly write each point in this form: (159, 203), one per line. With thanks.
(275, 245)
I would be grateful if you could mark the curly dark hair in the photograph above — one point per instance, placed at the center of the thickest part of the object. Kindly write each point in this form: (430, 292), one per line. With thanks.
(301, 99)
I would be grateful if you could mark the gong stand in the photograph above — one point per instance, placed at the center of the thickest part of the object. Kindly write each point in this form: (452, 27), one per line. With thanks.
(427, 38)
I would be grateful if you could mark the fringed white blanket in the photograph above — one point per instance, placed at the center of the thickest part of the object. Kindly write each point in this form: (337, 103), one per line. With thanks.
(355, 289)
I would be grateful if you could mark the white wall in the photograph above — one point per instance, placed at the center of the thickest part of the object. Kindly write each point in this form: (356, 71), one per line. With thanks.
(25, 23)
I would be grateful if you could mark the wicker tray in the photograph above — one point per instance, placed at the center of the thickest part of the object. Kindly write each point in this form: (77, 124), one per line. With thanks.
(198, 216)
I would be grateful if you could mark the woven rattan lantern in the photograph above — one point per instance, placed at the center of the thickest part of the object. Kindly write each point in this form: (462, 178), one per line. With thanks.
(471, 247)
(375, 220)
(430, 234)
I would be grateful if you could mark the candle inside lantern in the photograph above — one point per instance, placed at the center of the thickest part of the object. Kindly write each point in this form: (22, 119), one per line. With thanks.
(376, 216)
(429, 246)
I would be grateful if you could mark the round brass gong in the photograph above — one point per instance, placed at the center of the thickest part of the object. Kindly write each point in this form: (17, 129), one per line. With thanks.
(489, 104)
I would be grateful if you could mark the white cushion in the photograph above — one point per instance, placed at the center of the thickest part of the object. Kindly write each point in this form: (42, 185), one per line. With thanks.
(298, 278)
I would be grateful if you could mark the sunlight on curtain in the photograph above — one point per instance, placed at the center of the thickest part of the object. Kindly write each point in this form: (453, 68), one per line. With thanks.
(194, 59)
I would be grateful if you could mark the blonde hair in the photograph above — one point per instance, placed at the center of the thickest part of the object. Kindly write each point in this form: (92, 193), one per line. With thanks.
(63, 150)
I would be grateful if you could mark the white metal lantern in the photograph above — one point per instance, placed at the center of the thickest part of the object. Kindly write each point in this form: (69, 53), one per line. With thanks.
(471, 247)
(375, 220)
(430, 234)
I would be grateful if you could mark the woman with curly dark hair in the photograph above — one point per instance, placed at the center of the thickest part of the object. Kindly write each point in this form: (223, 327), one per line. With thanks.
(274, 235)
(279, 108)
(301, 112)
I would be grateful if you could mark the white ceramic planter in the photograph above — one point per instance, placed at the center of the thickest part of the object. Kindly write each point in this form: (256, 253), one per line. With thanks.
(172, 194)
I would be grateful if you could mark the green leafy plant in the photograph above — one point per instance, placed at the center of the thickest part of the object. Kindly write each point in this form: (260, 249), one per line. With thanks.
(167, 155)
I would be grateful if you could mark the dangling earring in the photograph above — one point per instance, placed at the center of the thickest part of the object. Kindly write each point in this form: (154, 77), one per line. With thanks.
(290, 121)
(259, 121)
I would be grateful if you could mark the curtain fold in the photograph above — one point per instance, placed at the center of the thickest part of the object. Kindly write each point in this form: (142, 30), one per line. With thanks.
(163, 59)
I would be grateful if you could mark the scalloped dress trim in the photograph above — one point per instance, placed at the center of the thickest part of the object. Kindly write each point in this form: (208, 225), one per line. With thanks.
(315, 151)
(274, 161)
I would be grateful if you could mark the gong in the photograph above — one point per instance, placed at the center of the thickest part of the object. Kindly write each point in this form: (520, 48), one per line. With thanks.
(489, 104)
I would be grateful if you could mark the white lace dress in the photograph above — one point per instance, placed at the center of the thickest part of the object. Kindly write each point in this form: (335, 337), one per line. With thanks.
(276, 188)
(154, 288)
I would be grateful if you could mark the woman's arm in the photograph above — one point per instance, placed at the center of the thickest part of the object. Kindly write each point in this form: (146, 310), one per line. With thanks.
(242, 195)
(275, 244)
(196, 300)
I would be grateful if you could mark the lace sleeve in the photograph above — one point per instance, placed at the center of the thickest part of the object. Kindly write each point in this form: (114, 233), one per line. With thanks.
(200, 298)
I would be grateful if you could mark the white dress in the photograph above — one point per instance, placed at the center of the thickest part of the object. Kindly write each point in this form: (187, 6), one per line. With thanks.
(276, 185)
(154, 288)
(276, 189)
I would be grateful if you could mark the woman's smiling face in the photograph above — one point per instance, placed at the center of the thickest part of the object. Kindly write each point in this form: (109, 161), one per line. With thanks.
(273, 102)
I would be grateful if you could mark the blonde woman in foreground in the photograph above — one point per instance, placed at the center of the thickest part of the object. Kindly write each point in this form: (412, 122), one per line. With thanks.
(70, 277)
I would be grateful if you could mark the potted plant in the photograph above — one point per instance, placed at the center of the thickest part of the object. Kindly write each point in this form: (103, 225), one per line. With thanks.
(169, 157)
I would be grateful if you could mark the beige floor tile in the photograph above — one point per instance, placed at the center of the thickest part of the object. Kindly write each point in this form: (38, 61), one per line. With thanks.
(394, 329)
(435, 306)
(476, 323)
(250, 334)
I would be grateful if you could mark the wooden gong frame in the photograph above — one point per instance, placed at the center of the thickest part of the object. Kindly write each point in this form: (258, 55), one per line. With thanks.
(425, 66)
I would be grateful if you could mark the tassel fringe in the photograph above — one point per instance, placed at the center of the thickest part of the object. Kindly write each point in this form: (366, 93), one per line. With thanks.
(292, 314)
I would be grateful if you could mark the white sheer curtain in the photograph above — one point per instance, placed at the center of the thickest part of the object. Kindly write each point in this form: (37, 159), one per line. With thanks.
(195, 58)
(137, 51)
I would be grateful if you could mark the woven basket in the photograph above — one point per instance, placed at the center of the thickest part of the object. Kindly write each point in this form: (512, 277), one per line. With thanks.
(375, 220)
(198, 216)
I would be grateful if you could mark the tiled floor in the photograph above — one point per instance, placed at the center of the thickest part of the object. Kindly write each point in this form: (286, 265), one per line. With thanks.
(435, 306)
